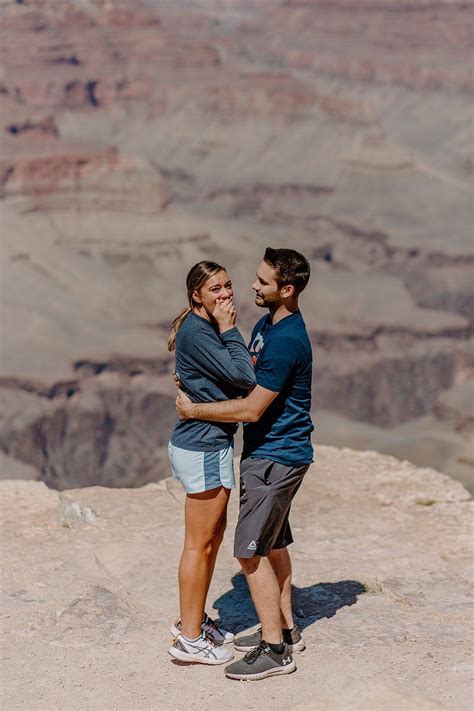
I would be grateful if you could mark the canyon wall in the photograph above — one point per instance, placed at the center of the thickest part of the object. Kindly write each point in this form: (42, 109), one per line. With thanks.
(139, 138)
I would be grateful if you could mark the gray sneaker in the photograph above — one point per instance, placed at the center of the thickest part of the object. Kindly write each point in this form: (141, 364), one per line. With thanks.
(261, 662)
(292, 638)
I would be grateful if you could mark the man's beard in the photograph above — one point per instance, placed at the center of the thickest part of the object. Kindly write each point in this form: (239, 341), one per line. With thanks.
(266, 302)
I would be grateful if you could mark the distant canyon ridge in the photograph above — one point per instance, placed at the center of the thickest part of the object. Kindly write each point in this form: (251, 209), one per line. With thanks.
(139, 138)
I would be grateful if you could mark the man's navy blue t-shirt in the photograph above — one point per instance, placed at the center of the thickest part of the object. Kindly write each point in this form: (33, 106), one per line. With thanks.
(283, 363)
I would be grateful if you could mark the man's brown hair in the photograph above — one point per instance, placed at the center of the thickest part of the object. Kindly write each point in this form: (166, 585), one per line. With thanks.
(290, 266)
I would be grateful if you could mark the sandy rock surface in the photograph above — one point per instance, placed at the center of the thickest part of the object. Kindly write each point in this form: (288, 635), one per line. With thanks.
(381, 589)
(361, 696)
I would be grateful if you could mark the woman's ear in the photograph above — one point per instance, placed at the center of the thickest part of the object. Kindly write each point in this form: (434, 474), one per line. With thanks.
(195, 297)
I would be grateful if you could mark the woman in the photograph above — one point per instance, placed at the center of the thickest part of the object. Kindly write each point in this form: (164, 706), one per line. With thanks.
(212, 363)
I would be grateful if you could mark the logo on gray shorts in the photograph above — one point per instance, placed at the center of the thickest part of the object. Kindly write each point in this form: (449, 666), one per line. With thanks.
(252, 546)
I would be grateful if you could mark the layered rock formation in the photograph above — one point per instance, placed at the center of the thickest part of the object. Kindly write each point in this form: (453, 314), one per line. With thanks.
(381, 589)
(138, 139)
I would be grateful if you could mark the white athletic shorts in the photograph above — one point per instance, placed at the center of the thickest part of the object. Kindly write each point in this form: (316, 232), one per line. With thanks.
(202, 471)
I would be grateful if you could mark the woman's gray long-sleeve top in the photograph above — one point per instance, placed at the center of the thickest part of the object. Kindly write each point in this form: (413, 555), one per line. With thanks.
(211, 366)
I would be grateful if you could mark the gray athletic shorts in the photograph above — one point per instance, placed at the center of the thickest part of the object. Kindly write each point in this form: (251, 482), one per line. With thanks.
(267, 489)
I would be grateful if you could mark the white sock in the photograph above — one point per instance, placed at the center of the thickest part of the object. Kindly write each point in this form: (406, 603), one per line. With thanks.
(191, 640)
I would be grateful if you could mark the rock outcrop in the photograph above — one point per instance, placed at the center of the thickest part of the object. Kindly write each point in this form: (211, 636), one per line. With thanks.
(96, 429)
(381, 588)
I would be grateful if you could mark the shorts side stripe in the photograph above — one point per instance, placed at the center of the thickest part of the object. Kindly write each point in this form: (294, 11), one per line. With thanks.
(212, 477)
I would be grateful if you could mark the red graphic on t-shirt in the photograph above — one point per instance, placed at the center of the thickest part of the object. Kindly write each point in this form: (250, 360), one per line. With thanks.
(256, 347)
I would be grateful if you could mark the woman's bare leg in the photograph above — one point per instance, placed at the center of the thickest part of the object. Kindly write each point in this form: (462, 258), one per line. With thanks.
(204, 514)
(216, 544)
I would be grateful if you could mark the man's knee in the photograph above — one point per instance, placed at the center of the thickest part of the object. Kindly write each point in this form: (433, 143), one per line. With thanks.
(250, 565)
(279, 554)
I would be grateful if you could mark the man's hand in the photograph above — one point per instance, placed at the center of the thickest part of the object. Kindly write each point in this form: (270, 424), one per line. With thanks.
(183, 406)
(225, 314)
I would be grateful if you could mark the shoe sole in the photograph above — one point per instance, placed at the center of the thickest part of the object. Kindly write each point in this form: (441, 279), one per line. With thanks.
(175, 632)
(263, 675)
(298, 647)
(192, 658)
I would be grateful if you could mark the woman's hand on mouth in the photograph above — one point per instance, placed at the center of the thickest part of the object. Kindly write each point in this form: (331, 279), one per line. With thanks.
(225, 314)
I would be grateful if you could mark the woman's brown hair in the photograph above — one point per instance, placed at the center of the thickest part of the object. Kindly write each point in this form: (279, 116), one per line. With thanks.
(197, 277)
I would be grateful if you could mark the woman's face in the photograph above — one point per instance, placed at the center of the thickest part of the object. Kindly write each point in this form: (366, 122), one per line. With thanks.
(217, 288)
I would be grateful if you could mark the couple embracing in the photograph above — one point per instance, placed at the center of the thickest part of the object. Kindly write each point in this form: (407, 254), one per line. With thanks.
(268, 388)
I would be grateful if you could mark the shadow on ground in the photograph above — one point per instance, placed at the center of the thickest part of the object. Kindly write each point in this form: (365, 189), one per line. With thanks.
(236, 610)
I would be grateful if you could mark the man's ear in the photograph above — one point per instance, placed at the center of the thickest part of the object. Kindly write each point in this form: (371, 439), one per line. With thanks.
(287, 291)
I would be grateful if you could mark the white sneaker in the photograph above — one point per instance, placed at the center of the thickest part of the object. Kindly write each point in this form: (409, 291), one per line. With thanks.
(217, 634)
(201, 650)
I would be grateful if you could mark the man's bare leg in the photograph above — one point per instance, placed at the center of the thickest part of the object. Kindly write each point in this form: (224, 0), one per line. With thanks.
(265, 592)
(281, 563)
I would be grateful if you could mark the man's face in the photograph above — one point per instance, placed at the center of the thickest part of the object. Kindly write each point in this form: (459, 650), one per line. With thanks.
(265, 286)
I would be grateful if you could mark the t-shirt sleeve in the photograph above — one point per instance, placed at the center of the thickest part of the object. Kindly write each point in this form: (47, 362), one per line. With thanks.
(275, 365)
(225, 358)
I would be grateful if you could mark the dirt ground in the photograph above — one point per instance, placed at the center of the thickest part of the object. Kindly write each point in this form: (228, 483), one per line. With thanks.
(381, 590)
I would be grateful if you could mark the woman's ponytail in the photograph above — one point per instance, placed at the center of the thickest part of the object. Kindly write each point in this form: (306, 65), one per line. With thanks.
(177, 323)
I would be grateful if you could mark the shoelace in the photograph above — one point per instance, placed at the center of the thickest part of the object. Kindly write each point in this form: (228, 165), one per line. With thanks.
(210, 623)
(210, 640)
(254, 654)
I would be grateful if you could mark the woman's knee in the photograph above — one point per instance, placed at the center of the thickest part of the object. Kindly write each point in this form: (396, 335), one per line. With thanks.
(198, 547)
(204, 544)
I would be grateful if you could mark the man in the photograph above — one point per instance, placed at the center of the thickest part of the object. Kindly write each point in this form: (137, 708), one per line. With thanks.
(276, 454)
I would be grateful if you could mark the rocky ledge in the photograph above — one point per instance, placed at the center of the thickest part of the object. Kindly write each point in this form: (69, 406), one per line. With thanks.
(381, 576)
